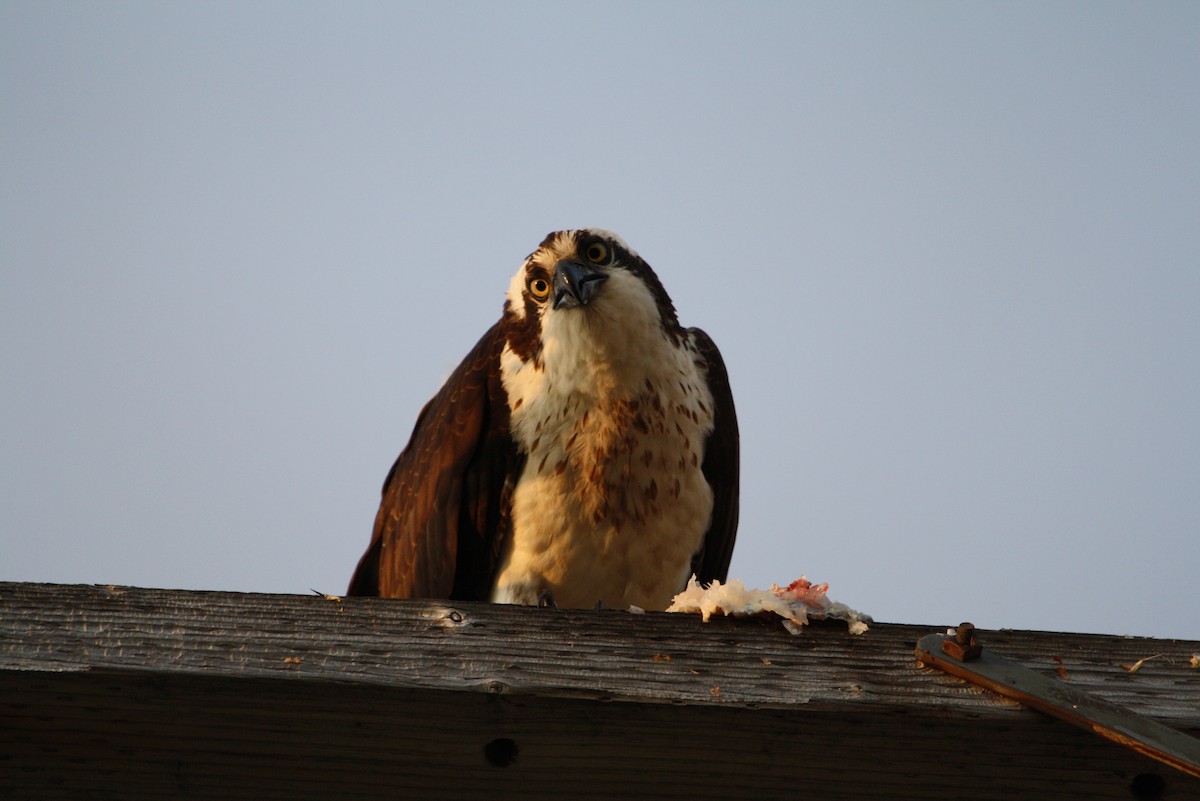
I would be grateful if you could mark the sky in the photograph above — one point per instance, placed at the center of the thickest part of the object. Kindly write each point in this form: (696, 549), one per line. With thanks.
(949, 252)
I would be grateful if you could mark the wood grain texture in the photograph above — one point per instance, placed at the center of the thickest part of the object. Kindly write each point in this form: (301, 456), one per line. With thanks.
(132, 693)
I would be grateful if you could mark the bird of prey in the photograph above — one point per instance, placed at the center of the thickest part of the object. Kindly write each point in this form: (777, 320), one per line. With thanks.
(585, 450)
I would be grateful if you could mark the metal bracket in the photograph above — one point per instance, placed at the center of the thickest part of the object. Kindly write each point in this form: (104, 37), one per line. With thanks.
(962, 655)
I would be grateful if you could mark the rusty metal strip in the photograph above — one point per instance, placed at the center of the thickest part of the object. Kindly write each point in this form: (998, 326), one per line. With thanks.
(961, 655)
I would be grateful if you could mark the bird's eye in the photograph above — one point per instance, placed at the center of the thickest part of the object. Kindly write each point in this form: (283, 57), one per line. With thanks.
(539, 288)
(596, 253)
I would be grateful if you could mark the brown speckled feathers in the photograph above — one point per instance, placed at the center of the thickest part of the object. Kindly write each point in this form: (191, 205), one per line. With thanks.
(444, 524)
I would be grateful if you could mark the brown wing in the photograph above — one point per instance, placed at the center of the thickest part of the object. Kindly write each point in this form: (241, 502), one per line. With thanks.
(444, 513)
(720, 467)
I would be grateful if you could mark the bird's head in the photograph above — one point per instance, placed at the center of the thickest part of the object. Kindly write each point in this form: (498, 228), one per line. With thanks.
(585, 282)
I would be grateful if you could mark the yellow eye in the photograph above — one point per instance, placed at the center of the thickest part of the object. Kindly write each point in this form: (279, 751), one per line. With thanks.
(539, 288)
(596, 253)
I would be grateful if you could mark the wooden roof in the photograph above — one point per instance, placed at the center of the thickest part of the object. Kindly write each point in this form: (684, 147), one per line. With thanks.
(117, 692)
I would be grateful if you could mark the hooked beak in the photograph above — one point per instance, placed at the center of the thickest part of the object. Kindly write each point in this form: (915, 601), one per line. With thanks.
(575, 284)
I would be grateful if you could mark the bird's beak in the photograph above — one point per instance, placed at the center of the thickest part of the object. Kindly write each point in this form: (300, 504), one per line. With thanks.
(575, 284)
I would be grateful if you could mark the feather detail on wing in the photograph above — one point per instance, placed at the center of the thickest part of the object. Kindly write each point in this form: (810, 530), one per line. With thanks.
(720, 466)
(444, 512)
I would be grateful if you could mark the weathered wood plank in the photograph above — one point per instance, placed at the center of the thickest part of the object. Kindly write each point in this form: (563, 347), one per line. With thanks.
(137, 693)
(606, 654)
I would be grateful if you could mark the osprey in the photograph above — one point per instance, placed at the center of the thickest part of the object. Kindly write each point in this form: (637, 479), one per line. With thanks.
(585, 451)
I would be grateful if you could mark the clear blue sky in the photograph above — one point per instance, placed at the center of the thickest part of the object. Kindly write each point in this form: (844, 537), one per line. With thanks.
(950, 251)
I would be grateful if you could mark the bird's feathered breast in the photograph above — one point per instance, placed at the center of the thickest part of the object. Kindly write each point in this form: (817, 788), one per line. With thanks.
(613, 502)
(612, 409)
